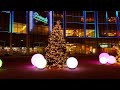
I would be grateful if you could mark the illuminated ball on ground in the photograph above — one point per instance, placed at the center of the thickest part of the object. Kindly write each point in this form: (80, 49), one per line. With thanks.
(104, 55)
(103, 60)
(35, 57)
(72, 62)
(111, 59)
(0, 63)
(39, 61)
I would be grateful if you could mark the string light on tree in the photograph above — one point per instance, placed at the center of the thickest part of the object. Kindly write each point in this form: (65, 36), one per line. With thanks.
(56, 55)
(118, 55)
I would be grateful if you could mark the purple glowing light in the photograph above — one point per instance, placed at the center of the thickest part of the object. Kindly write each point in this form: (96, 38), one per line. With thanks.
(38, 61)
(104, 55)
(103, 58)
(111, 59)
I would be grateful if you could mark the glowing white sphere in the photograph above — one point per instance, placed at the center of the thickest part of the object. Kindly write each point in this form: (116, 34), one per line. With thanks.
(103, 60)
(111, 59)
(104, 55)
(1, 63)
(35, 57)
(72, 62)
(39, 61)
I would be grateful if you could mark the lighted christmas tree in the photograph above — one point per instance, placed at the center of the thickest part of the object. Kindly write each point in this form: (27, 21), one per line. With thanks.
(56, 55)
(118, 55)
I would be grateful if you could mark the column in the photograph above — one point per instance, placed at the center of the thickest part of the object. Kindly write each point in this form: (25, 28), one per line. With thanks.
(11, 30)
(27, 30)
(50, 21)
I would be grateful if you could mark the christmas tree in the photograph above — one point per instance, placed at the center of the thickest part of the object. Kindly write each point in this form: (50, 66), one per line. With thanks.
(55, 52)
(118, 55)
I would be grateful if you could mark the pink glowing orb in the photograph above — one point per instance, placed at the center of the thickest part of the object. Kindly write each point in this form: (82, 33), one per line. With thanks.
(38, 61)
(35, 57)
(111, 59)
(72, 62)
(104, 55)
(103, 60)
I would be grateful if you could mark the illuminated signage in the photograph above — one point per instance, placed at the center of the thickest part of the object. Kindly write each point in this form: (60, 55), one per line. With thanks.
(40, 18)
(6, 11)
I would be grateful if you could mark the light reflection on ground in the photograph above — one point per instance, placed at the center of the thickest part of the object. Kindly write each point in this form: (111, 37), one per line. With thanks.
(33, 68)
(66, 69)
(2, 69)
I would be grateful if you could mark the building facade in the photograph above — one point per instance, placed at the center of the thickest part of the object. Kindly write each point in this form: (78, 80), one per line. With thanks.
(84, 31)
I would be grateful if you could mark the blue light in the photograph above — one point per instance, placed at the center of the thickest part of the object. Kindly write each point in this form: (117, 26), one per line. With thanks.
(31, 20)
(116, 13)
(107, 23)
(50, 21)
(27, 23)
(95, 23)
(40, 18)
(106, 17)
(84, 14)
(10, 23)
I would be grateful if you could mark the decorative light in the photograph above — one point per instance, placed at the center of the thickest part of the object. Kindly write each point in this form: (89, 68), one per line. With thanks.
(0, 63)
(39, 61)
(72, 62)
(104, 55)
(40, 18)
(111, 59)
(103, 60)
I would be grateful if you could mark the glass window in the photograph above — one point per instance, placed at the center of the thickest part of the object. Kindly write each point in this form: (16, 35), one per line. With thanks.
(101, 16)
(19, 28)
(19, 33)
(118, 33)
(4, 31)
(20, 16)
(58, 15)
(90, 30)
(74, 13)
(119, 16)
(19, 22)
(90, 17)
(69, 19)
(74, 23)
(102, 30)
(40, 31)
(4, 21)
(75, 29)
(112, 30)
(40, 28)
(74, 16)
(112, 17)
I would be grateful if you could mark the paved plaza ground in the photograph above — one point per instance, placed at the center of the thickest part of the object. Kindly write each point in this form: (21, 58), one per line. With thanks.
(88, 68)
